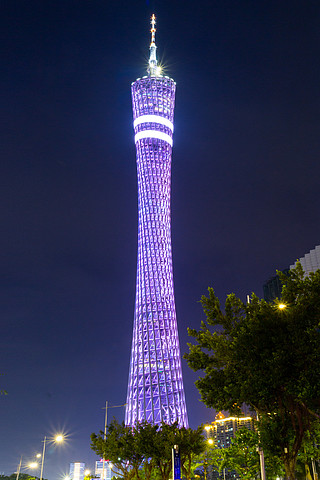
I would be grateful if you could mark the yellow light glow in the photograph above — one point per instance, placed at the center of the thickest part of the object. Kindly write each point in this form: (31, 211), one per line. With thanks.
(59, 438)
(33, 465)
(210, 441)
(87, 472)
(281, 306)
(241, 419)
(207, 427)
(38, 455)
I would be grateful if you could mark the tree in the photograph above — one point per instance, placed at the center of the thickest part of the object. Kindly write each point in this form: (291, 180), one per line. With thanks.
(191, 444)
(120, 447)
(145, 451)
(243, 457)
(3, 392)
(310, 451)
(265, 357)
(22, 476)
(206, 460)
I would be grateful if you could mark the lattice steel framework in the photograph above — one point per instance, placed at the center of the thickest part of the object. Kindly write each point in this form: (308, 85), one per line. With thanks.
(155, 387)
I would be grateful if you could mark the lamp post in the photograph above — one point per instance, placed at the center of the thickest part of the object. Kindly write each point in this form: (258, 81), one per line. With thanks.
(58, 439)
(209, 442)
(105, 433)
(261, 455)
(19, 468)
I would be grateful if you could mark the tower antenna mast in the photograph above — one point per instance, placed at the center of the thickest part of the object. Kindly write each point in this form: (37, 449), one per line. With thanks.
(153, 69)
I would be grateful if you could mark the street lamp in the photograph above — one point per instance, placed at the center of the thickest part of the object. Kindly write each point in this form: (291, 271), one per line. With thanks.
(282, 306)
(57, 439)
(105, 434)
(209, 442)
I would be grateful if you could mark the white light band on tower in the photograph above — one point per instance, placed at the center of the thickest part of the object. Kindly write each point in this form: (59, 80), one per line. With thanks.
(153, 119)
(153, 134)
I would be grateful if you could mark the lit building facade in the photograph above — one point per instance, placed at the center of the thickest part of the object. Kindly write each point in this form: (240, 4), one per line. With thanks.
(223, 429)
(76, 471)
(310, 261)
(155, 387)
(103, 469)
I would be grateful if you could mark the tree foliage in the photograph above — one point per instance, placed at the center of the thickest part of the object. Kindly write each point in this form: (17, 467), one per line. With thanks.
(144, 452)
(265, 357)
(22, 476)
(243, 457)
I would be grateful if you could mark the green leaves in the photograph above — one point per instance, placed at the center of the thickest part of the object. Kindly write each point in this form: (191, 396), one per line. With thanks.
(144, 452)
(265, 357)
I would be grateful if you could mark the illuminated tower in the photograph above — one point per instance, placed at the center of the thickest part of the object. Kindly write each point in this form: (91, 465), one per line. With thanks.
(155, 387)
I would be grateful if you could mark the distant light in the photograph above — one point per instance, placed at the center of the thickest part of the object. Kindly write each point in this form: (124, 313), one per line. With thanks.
(87, 472)
(281, 306)
(59, 438)
(38, 455)
(210, 441)
(153, 134)
(207, 427)
(33, 465)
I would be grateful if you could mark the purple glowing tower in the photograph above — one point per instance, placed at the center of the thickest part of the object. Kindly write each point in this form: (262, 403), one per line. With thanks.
(155, 387)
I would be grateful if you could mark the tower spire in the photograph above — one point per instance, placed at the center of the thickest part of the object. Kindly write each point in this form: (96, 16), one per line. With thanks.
(153, 69)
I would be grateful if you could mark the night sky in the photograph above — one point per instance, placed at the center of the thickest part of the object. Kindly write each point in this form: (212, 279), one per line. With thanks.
(245, 190)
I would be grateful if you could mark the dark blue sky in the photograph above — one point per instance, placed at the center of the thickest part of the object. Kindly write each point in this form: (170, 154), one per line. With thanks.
(245, 189)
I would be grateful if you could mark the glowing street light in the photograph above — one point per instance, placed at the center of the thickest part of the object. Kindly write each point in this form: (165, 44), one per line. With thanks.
(57, 439)
(209, 442)
(33, 465)
(282, 306)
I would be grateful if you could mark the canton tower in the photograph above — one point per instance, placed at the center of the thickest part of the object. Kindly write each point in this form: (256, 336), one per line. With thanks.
(155, 388)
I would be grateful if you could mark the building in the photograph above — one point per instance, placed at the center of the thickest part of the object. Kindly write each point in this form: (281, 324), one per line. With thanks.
(273, 287)
(76, 471)
(310, 263)
(223, 429)
(155, 387)
(104, 472)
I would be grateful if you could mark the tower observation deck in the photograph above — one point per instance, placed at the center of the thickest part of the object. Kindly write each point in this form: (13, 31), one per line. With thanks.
(155, 388)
